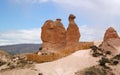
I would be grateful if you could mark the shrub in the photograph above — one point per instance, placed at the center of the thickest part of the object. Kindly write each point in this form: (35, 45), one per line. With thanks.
(94, 70)
(117, 57)
(115, 62)
(108, 52)
(40, 74)
(103, 62)
(94, 48)
(2, 63)
(11, 67)
(40, 48)
(96, 52)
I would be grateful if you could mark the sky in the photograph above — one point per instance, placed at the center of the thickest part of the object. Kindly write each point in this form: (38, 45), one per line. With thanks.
(21, 20)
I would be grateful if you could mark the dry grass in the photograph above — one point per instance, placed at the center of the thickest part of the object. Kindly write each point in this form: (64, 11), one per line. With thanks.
(85, 45)
(81, 46)
(61, 53)
(42, 58)
(49, 57)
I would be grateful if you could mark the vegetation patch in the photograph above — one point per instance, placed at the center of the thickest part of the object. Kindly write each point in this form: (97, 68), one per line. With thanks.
(44, 57)
(2, 63)
(104, 63)
(94, 70)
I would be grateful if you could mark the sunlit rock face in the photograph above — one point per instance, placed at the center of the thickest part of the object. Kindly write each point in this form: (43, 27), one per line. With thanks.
(53, 35)
(72, 33)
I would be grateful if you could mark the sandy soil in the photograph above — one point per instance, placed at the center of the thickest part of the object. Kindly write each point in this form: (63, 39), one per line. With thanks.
(20, 72)
(65, 66)
(68, 65)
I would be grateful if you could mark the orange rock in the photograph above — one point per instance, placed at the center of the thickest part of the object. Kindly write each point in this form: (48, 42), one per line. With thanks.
(53, 35)
(72, 34)
(57, 42)
(61, 32)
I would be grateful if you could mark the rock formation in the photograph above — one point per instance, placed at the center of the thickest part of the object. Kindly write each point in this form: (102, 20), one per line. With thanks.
(61, 33)
(53, 35)
(110, 33)
(58, 42)
(111, 41)
(72, 34)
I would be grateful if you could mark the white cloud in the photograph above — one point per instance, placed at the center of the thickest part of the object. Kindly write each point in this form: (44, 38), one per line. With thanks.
(91, 6)
(90, 33)
(33, 35)
(30, 1)
(99, 6)
(20, 36)
(104, 13)
(98, 16)
(94, 33)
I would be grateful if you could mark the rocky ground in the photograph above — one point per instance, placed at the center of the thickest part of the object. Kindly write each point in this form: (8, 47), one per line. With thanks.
(78, 63)
(65, 66)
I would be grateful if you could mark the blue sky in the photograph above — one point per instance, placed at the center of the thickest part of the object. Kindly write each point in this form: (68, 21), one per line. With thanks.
(21, 20)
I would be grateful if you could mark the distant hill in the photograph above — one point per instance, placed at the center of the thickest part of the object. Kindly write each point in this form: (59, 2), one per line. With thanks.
(21, 48)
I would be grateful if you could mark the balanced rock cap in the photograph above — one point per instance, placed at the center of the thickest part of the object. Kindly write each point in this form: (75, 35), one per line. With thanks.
(58, 19)
(71, 16)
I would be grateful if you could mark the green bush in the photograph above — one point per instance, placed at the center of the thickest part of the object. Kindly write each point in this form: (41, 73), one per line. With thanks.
(103, 62)
(117, 57)
(96, 52)
(2, 63)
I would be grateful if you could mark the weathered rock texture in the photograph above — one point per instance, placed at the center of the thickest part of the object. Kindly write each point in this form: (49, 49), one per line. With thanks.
(58, 42)
(72, 34)
(53, 35)
(61, 33)
(110, 33)
(111, 41)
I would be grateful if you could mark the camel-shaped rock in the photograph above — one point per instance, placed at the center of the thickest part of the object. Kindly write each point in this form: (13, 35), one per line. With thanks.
(54, 36)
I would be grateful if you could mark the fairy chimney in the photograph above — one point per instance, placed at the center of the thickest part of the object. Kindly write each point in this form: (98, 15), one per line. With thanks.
(72, 33)
(53, 35)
